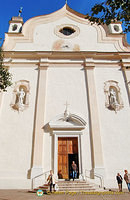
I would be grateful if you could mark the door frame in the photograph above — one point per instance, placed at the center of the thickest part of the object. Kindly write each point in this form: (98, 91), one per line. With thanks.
(67, 134)
(66, 153)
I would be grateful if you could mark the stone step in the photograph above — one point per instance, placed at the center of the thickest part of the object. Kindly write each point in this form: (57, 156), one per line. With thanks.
(32, 191)
(71, 181)
(76, 190)
(43, 187)
(84, 186)
(72, 186)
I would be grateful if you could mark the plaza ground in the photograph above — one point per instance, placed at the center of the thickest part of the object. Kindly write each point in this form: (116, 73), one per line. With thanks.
(25, 195)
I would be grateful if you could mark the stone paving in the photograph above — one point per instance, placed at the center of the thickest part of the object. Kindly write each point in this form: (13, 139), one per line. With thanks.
(25, 195)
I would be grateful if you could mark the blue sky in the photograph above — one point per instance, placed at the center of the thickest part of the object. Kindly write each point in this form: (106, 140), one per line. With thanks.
(31, 8)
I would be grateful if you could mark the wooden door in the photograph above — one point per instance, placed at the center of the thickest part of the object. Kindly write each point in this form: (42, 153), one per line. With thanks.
(65, 146)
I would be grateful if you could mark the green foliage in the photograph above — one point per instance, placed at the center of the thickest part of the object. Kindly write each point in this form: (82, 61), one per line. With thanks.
(5, 76)
(111, 11)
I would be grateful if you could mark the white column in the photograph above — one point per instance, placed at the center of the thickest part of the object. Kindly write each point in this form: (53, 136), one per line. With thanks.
(96, 145)
(80, 158)
(126, 74)
(37, 154)
(55, 155)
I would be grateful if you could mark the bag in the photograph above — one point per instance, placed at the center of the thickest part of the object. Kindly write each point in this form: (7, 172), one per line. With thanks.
(56, 188)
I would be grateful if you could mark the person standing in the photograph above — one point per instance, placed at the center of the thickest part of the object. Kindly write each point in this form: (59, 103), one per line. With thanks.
(74, 170)
(127, 179)
(119, 181)
(51, 180)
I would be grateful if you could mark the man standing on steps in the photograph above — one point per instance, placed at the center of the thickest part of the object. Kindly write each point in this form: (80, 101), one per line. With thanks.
(74, 170)
(127, 179)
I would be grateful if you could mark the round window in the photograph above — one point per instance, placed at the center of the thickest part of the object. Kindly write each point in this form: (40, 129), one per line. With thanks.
(116, 28)
(67, 31)
(14, 27)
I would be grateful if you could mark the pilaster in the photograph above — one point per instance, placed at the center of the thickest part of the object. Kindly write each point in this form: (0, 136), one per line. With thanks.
(37, 154)
(96, 146)
(126, 75)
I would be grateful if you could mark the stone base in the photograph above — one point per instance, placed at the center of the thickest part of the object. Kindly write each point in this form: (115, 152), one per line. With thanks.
(15, 183)
(36, 171)
(99, 175)
(98, 171)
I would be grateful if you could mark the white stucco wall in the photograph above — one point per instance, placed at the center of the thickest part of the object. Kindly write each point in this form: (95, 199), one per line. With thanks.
(45, 32)
(66, 83)
(114, 126)
(16, 130)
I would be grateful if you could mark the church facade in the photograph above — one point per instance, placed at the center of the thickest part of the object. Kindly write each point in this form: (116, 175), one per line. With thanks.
(69, 101)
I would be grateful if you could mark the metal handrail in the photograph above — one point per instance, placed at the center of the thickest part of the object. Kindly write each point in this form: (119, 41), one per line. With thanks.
(37, 177)
(101, 179)
(96, 175)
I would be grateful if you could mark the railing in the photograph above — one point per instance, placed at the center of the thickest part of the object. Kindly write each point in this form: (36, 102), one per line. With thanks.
(34, 178)
(95, 175)
(101, 179)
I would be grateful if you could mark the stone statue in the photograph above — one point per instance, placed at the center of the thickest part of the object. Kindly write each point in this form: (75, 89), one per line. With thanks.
(113, 97)
(66, 113)
(21, 95)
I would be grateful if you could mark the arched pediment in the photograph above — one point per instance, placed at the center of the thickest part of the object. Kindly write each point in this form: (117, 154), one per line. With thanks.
(37, 30)
(71, 122)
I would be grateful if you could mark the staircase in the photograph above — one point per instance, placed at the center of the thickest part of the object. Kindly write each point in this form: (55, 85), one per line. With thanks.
(75, 186)
(68, 186)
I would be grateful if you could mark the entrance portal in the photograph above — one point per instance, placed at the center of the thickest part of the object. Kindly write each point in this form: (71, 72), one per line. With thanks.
(67, 152)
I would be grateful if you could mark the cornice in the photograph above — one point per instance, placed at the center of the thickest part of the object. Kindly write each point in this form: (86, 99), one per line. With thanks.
(28, 28)
(33, 55)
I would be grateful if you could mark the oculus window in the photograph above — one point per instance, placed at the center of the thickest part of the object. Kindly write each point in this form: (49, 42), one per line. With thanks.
(67, 31)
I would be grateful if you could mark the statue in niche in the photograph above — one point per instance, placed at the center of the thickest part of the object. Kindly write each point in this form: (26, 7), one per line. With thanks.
(20, 99)
(113, 97)
(21, 95)
(113, 100)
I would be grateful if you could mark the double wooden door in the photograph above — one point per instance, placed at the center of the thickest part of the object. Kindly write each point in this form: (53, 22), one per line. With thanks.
(66, 146)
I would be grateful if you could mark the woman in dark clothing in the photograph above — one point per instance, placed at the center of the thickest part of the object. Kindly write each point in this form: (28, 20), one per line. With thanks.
(119, 181)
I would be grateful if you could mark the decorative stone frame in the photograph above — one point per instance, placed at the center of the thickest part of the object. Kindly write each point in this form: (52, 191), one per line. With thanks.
(22, 84)
(72, 126)
(61, 35)
(113, 85)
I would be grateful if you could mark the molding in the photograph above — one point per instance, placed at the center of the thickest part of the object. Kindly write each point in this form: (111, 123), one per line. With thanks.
(66, 55)
(68, 133)
(29, 26)
(49, 59)
(74, 122)
(60, 133)
(61, 35)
